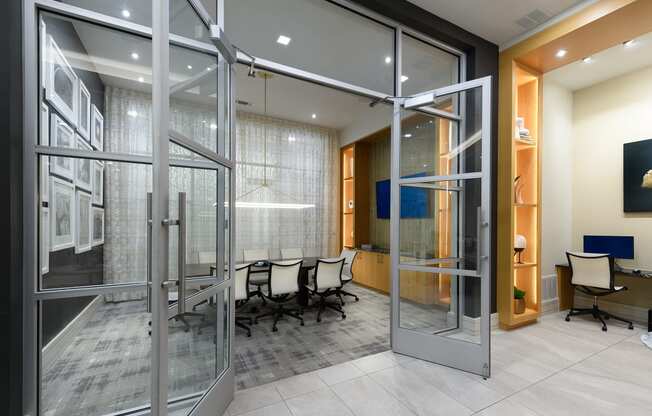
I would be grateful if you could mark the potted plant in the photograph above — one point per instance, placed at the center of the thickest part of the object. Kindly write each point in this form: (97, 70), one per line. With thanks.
(519, 301)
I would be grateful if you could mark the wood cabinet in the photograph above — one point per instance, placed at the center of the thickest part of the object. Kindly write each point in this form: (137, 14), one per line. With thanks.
(372, 270)
(354, 190)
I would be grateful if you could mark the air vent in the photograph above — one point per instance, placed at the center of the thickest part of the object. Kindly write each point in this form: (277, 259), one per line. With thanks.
(242, 102)
(533, 19)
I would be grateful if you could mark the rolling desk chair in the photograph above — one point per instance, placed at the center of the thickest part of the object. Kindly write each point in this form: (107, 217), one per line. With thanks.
(282, 287)
(347, 274)
(327, 279)
(258, 279)
(593, 274)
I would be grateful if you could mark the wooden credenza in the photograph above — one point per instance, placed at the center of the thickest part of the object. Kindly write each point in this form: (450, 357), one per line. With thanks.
(372, 269)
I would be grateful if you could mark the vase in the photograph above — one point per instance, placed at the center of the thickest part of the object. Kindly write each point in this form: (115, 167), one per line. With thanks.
(518, 190)
(519, 306)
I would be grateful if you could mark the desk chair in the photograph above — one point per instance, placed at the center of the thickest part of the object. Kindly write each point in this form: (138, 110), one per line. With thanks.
(347, 274)
(282, 287)
(291, 253)
(242, 296)
(327, 280)
(258, 279)
(593, 274)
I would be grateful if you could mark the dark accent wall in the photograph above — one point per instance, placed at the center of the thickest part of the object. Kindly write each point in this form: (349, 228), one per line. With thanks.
(482, 60)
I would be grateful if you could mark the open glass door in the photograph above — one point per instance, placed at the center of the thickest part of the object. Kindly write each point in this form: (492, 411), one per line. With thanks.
(440, 226)
(193, 210)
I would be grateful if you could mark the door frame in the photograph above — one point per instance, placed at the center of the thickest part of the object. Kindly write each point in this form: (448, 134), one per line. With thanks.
(467, 356)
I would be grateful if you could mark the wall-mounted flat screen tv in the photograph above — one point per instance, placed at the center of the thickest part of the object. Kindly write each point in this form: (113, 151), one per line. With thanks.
(414, 201)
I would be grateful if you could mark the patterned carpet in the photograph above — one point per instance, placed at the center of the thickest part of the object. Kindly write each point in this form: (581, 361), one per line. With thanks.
(106, 368)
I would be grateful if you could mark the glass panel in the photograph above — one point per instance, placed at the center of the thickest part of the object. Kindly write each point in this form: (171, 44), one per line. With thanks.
(95, 356)
(97, 234)
(226, 252)
(184, 21)
(83, 68)
(135, 11)
(438, 226)
(437, 303)
(432, 145)
(426, 67)
(315, 35)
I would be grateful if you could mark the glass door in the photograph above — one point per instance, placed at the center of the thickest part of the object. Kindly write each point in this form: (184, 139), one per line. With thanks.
(440, 226)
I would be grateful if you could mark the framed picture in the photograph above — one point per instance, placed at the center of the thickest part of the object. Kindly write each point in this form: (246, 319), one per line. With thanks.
(98, 226)
(84, 116)
(44, 140)
(83, 169)
(43, 50)
(98, 183)
(61, 90)
(97, 134)
(62, 135)
(44, 226)
(83, 212)
(637, 176)
(62, 212)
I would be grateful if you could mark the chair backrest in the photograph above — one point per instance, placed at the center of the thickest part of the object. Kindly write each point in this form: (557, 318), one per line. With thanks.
(242, 282)
(349, 256)
(592, 270)
(206, 257)
(328, 274)
(291, 253)
(284, 277)
(256, 255)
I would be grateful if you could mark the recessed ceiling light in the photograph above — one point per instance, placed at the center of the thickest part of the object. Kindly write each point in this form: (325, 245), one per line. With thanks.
(141, 79)
(208, 68)
(629, 43)
(132, 113)
(407, 136)
(561, 53)
(314, 116)
(189, 67)
(126, 13)
(388, 60)
(587, 60)
(283, 40)
(135, 56)
(404, 78)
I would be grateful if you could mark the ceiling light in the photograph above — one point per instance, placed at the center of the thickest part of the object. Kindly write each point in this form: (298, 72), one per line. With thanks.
(587, 60)
(126, 13)
(141, 79)
(208, 68)
(189, 67)
(404, 78)
(135, 56)
(132, 113)
(407, 136)
(292, 139)
(283, 40)
(213, 126)
(629, 43)
(561, 53)
(388, 60)
(271, 205)
(314, 116)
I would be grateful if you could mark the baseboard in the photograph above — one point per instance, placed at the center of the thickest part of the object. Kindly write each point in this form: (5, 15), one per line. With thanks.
(549, 306)
(633, 313)
(55, 347)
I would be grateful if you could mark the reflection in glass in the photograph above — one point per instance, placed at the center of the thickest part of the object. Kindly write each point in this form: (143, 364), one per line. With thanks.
(426, 67)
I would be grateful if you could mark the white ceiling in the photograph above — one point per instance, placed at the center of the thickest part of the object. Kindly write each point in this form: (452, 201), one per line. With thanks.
(605, 65)
(496, 20)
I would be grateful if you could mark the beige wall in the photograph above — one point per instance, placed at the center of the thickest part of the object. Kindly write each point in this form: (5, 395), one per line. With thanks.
(604, 117)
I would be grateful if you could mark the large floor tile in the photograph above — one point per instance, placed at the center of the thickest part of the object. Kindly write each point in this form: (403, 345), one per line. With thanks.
(375, 362)
(339, 373)
(297, 385)
(507, 408)
(278, 409)
(367, 398)
(322, 402)
(255, 398)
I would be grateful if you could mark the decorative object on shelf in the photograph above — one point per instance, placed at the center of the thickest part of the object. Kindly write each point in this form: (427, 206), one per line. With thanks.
(97, 134)
(518, 190)
(520, 244)
(522, 132)
(519, 301)
(351, 204)
(637, 176)
(83, 211)
(62, 214)
(98, 226)
(62, 86)
(63, 136)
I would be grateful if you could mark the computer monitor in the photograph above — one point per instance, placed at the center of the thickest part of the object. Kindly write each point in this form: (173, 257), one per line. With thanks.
(620, 247)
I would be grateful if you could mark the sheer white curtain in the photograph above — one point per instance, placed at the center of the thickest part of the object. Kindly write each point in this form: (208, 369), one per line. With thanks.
(302, 168)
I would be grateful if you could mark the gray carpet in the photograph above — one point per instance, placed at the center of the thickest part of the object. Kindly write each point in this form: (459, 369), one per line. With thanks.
(106, 368)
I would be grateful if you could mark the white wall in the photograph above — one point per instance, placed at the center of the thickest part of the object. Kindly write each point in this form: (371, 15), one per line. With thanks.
(556, 181)
(605, 116)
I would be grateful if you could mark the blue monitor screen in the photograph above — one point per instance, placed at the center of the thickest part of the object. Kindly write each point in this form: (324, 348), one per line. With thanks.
(616, 246)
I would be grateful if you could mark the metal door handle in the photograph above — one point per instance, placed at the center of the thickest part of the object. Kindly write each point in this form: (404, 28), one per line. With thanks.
(166, 284)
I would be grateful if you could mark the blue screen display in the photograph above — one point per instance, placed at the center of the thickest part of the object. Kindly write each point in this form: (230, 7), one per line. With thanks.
(616, 246)
(414, 201)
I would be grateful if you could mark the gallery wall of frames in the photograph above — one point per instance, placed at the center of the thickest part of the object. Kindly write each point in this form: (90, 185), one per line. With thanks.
(71, 190)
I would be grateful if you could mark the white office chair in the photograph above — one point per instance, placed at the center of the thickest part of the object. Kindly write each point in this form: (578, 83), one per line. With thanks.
(347, 274)
(282, 287)
(593, 274)
(242, 296)
(327, 281)
(291, 253)
(257, 278)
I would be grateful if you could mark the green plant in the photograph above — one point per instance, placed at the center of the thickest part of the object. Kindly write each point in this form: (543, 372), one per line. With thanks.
(518, 293)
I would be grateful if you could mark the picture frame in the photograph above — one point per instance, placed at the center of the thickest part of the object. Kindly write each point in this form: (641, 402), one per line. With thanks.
(98, 226)
(62, 214)
(62, 83)
(97, 132)
(84, 115)
(83, 167)
(43, 51)
(62, 135)
(83, 225)
(44, 227)
(44, 140)
(98, 183)
(637, 176)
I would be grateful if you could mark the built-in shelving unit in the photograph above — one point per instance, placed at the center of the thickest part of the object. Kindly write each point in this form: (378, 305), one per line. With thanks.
(355, 228)
(520, 207)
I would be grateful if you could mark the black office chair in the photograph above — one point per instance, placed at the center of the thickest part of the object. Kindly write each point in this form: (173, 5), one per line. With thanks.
(283, 286)
(593, 274)
(327, 280)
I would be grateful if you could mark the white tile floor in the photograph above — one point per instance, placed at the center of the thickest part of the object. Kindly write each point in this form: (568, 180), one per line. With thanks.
(551, 368)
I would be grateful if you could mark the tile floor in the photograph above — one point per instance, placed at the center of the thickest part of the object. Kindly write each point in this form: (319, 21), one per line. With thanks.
(551, 368)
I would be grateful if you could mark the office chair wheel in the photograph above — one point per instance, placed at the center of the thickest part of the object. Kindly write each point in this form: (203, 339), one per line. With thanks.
(604, 328)
(248, 334)
(631, 326)
(302, 324)
(568, 319)
(343, 316)
(274, 329)
(318, 319)
(357, 299)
